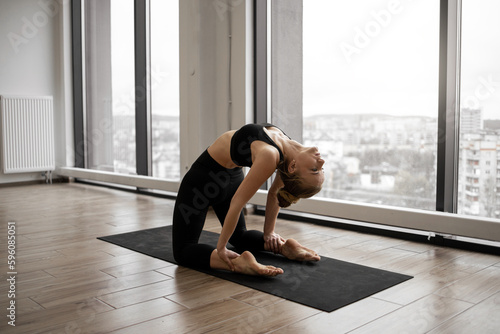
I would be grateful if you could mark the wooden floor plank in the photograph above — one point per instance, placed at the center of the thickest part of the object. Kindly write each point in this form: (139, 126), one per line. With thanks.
(423, 262)
(419, 317)
(83, 311)
(205, 293)
(342, 321)
(257, 298)
(480, 318)
(145, 292)
(190, 320)
(57, 295)
(119, 318)
(262, 320)
(418, 287)
(474, 288)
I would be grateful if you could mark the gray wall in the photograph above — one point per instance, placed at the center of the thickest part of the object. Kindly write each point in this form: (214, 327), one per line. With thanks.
(33, 62)
(286, 66)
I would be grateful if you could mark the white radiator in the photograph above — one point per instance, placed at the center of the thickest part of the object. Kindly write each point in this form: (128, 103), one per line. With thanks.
(27, 134)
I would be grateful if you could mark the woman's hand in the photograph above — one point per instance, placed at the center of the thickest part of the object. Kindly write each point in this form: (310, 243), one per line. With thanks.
(227, 255)
(273, 242)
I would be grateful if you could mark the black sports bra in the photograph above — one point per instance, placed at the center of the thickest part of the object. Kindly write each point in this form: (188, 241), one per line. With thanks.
(244, 137)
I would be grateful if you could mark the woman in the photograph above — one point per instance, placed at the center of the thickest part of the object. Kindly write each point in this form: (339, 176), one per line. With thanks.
(216, 179)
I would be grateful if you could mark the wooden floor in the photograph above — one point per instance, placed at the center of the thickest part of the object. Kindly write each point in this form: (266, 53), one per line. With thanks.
(69, 282)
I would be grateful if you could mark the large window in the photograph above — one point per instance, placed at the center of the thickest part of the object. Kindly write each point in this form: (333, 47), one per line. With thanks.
(130, 87)
(165, 88)
(479, 164)
(402, 98)
(109, 78)
(370, 89)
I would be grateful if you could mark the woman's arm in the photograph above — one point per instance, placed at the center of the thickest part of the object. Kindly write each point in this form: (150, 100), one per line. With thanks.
(262, 168)
(273, 241)
(272, 207)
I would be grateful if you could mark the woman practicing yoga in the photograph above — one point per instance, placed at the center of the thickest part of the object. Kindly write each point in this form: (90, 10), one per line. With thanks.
(216, 179)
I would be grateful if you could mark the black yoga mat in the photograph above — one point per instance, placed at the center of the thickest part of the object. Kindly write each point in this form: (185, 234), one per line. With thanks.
(326, 285)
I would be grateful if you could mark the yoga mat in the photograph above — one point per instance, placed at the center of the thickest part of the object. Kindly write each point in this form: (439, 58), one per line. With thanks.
(326, 285)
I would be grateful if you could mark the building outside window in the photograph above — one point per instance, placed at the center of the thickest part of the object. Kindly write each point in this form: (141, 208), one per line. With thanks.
(479, 154)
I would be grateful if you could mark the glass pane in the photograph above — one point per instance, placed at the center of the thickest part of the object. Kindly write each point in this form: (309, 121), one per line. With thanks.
(165, 88)
(371, 98)
(479, 155)
(110, 94)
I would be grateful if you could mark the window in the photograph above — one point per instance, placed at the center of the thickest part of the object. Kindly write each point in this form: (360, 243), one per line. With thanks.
(480, 104)
(109, 78)
(130, 87)
(165, 89)
(370, 98)
(379, 86)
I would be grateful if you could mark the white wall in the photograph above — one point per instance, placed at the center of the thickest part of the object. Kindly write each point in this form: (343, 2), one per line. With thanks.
(286, 66)
(35, 59)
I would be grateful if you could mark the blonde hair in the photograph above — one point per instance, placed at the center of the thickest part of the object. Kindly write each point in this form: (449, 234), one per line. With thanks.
(294, 187)
(285, 199)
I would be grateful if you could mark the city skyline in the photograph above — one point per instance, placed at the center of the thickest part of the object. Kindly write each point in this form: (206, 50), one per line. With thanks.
(379, 159)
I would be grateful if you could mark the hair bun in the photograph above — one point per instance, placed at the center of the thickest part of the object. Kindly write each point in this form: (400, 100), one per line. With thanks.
(285, 199)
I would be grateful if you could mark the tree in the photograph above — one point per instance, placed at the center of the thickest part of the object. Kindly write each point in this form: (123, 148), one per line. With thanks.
(415, 189)
(488, 197)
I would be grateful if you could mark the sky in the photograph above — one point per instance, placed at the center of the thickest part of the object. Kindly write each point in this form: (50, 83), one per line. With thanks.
(164, 54)
(382, 56)
(360, 56)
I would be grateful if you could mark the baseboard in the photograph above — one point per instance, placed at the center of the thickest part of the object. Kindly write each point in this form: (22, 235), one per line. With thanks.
(59, 179)
(469, 244)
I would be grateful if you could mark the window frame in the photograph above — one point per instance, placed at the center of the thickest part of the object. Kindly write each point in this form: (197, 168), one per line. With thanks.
(143, 83)
(78, 84)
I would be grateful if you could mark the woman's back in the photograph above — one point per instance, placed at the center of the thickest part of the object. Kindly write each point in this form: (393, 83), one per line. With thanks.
(235, 152)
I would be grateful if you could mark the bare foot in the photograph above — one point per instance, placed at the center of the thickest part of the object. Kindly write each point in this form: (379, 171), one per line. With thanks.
(247, 264)
(292, 250)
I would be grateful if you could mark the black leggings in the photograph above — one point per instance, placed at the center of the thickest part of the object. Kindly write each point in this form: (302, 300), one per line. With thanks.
(207, 184)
